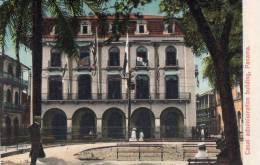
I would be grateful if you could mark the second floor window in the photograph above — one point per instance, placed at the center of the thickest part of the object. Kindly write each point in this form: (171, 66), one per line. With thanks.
(84, 57)
(84, 87)
(113, 57)
(10, 70)
(171, 56)
(55, 88)
(142, 87)
(55, 58)
(114, 87)
(141, 56)
(9, 96)
(16, 101)
(172, 87)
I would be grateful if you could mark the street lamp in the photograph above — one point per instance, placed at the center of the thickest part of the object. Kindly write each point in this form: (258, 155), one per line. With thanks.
(130, 86)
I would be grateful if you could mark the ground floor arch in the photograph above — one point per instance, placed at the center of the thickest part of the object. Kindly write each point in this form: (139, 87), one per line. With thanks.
(55, 124)
(143, 120)
(172, 123)
(113, 124)
(83, 123)
(16, 128)
(8, 130)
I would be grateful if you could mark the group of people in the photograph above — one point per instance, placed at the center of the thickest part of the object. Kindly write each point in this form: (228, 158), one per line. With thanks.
(200, 133)
(134, 137)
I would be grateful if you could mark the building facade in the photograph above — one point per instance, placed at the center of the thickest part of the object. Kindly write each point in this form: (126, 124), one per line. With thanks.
(206, 112)
(78, 100)
(237, 97)
(209, 111)
(13, 101)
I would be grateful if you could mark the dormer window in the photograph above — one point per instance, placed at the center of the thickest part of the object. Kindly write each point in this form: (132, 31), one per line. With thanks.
(54, 30)
(110, 28)
(85, 28)
(169, 28)
(141, 27)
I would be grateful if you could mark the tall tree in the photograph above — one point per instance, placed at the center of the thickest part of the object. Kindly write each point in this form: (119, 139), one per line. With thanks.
(212, 26)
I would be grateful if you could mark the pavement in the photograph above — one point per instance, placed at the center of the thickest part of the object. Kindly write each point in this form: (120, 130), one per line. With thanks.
(64, 155)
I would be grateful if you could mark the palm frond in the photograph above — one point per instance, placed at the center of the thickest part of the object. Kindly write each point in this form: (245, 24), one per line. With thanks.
(66, 26)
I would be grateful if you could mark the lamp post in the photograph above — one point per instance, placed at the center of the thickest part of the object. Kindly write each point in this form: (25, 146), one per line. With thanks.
(130, 86)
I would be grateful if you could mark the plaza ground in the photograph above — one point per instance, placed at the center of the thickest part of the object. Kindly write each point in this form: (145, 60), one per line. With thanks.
(65, 155)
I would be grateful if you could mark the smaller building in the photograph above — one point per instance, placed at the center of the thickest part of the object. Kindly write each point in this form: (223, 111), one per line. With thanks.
(206, 112)
(13, 98)
(237, 97)
(209, 111)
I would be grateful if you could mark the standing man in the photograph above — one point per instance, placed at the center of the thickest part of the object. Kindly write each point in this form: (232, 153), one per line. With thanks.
(35, 135)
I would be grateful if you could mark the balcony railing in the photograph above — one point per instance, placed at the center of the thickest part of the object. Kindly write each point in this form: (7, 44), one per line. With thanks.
(6, 77)
(14, 107)
(183, 96)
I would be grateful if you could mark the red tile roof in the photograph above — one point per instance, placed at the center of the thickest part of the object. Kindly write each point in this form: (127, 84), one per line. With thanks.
(155, 26)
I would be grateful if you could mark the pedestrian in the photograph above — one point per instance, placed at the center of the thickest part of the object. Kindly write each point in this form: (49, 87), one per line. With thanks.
(36, 145)
(202, 134)
(141, 136)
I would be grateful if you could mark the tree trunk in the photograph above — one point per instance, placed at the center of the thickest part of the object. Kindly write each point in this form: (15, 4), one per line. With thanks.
(36, 56)
(228, 109)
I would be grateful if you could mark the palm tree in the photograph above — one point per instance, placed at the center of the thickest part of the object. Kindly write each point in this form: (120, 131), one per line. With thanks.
(23, 20)
(235, 68)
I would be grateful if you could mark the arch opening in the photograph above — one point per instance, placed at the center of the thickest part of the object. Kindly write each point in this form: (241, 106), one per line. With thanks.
(83, 123)
(143, 120)
(172, 123)
(114, 124)
(55, 124)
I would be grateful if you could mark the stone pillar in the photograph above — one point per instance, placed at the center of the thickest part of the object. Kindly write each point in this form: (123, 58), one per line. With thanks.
(69, 129)
(157, 128)
(99, 127)
(126, 129)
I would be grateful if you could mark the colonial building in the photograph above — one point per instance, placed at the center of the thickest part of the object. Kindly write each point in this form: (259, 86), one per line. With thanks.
(13, 93)
(78, 100)
(206, 112)
(209, 111)
(237, 97)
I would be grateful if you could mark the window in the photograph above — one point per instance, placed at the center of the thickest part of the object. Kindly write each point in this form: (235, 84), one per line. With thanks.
(141, 27)
(10, 69)
(16, 101)
(55, 88)
(114, 57)
(18, 71)
(141, 57)
(171, 56)
(55, 58)
(142, 87)
(169, 28)
(9, 96)
(172, 86)
(84, 87)
(84, 57)
(114, 87)
(86, 28)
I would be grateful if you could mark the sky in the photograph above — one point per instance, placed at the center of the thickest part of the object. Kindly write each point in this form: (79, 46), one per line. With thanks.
(150, 9)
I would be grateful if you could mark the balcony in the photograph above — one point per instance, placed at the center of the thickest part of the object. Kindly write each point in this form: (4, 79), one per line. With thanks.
(122, 97)
(54, 67)
(10, 107)
(172, 66)
(7, 78)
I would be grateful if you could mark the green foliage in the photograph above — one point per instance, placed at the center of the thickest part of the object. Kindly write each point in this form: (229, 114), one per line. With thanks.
(215, 12)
